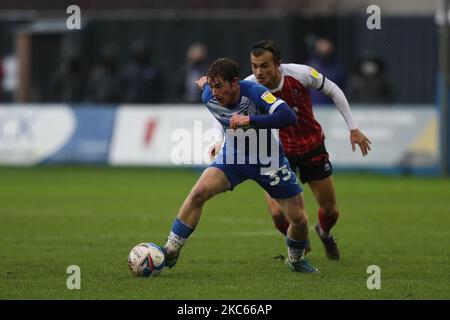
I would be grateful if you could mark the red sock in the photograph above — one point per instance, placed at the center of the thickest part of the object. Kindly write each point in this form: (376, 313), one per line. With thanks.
(281, 224)
(326, 222)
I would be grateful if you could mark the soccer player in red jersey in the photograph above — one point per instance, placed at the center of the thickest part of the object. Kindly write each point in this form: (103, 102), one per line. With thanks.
(304, 144)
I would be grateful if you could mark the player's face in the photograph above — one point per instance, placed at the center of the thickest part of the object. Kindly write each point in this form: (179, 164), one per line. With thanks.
(266, 70)
(225, 92)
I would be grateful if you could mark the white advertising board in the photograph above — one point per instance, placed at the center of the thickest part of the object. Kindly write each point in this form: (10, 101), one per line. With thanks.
(181, 135)
(29, 134)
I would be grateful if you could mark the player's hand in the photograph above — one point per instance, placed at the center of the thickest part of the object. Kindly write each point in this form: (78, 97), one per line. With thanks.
(214, 150)
(357, 137)
(201, 82)
(239, 120)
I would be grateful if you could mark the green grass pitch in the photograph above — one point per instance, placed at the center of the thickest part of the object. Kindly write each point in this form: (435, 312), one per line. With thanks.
(53, 217)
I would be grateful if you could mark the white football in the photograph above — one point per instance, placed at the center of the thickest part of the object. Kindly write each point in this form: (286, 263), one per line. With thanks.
(146, 260)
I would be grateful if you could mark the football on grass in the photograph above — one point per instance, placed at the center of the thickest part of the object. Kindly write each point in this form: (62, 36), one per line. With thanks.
(146, 260)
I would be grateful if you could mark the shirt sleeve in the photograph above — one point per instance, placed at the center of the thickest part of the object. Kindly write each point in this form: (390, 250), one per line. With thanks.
(308, 76)
(282, 117)
(207, 93)
(340, 101)
(311, 78)
(265, 100)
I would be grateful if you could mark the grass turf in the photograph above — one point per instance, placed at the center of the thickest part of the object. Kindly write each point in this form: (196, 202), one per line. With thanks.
(53, 217)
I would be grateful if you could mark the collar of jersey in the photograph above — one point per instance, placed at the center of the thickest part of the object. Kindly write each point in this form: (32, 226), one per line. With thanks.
(280, 85)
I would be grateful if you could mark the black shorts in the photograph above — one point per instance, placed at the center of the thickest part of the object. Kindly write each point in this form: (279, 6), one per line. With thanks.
(314, 165)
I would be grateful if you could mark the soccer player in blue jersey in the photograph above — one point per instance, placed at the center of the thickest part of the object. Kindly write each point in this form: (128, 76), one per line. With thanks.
(247, 111)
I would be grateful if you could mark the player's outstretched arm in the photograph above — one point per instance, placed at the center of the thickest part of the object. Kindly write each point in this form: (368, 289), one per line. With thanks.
(281, 117)
(356, 136)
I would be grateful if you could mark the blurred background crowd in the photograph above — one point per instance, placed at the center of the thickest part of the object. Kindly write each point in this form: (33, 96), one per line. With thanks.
(152, 52)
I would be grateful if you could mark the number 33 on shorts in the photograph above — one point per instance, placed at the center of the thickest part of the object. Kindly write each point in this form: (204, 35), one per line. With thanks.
(283, 173)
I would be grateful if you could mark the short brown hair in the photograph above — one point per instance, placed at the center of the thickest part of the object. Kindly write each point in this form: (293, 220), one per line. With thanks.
(260, 47)
(225, 68)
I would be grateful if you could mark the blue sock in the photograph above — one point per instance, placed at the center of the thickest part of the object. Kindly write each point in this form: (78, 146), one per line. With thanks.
(178, 236)
(296, 249)
(180, 229)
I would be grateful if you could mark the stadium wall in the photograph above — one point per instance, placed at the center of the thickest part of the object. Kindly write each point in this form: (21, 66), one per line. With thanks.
(404, 139)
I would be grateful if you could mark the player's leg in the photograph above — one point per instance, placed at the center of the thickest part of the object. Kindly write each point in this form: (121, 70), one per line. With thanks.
(316, 169)
(325, 195)
(283, 186)
(211, 182)
(328, 214)
(274, 207)
(280, 221)
(277, 215)
(297, 234)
